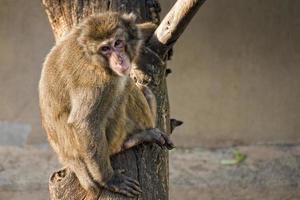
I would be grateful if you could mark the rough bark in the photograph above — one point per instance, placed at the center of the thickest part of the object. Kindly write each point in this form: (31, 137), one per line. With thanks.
(147, 163)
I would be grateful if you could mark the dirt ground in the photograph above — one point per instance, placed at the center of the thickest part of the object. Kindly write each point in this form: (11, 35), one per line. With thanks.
(270, 172)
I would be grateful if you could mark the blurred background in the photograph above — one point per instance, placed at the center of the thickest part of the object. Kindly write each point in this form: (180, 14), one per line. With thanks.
(235, 77)
(235, 71)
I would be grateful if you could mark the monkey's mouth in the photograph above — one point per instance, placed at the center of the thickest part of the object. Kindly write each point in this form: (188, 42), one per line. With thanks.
(120, 63)
(123, 67)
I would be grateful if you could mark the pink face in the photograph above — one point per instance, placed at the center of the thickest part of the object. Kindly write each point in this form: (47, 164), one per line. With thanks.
(115, 53)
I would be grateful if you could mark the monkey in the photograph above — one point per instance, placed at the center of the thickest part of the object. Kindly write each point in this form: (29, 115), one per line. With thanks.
(90, 108)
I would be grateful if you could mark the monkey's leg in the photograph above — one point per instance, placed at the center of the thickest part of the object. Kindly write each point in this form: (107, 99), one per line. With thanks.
(153, 135)
(141, 107)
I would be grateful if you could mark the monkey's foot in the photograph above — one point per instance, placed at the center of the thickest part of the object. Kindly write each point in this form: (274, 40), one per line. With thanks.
(123, 184)
(153, 135)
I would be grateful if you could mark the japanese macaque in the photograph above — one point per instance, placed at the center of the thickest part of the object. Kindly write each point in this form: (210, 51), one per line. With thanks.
(91, 108)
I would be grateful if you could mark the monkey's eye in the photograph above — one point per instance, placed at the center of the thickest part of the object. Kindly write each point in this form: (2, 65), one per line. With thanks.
(119, 43)
(105, 49)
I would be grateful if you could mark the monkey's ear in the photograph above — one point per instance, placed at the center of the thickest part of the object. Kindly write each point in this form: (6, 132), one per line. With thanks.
(129, 17)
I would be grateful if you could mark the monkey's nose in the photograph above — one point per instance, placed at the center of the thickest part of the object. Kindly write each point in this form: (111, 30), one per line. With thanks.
(120, 60)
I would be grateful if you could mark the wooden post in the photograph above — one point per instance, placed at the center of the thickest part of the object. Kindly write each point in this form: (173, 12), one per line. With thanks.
(146, 163)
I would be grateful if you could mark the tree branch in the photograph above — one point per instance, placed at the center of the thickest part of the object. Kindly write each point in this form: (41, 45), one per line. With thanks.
(173, 25)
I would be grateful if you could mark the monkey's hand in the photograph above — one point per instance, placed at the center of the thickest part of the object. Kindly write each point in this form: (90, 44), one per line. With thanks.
(123, 184)
(153, 135)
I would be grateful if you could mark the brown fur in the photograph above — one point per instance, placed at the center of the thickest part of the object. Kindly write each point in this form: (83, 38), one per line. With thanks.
(87, 110)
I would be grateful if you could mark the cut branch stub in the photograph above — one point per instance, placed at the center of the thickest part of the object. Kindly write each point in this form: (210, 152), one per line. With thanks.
(175, 123)
(64, 183)
(173, 25)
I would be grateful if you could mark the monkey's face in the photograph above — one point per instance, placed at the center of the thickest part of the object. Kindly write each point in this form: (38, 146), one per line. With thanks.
(111, 41)
(114, 52)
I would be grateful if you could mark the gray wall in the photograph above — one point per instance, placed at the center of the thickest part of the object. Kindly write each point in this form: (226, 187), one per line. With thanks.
(235, 71)
(237, 75)
(25, 39)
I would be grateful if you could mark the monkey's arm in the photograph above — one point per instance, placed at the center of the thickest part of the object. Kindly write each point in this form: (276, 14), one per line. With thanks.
(87, 127)
(115, 130)
(87, 120)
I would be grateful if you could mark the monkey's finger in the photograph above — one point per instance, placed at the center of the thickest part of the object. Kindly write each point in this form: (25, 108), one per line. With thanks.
(162, 139)
(135, 193)
(161, 145)
(136, 188)
(129, 189)
(125, 192)
(169, 146)
(169, 143)
(159, 139)
(133, 190)
(135, 185)
(121, 190)
(133, 181)
(114, 188)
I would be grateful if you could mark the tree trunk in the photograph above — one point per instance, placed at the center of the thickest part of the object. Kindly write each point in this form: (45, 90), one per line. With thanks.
(146, 163)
